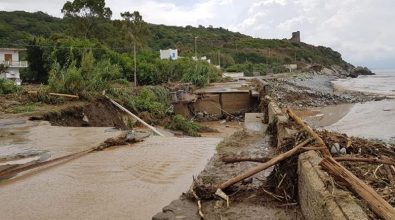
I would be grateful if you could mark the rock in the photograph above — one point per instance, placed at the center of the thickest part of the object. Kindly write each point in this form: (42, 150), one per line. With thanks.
(335, 149)
(343, 151)
(358, 71)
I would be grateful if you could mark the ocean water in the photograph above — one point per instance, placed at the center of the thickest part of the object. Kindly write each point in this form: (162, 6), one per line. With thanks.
(370, 119)
(382, 83)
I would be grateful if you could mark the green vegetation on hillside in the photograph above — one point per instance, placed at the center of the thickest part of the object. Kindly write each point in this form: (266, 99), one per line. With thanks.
(87, 26)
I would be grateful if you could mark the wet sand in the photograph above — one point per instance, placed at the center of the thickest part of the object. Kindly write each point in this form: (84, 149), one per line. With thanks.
(132, 182)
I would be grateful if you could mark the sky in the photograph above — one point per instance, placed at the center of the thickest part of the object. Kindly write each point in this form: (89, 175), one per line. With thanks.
(361, 30)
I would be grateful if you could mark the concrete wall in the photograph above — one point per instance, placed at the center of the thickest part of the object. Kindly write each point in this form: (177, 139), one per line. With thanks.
(317, 198)
(236, 102)
(209, 103)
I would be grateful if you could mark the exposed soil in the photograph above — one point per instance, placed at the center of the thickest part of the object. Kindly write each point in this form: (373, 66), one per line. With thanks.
(100, 113)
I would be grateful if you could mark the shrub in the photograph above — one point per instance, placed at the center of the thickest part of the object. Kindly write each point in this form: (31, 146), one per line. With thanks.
(179, 123)
(8, 86)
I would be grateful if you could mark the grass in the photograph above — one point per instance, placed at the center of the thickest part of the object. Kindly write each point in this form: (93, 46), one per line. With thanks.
(30, 107)
(179, 123)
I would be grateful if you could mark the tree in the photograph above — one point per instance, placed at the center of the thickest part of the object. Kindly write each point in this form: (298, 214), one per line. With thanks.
(136, 32)
(38, 62)
(85, 15)
(135, 28)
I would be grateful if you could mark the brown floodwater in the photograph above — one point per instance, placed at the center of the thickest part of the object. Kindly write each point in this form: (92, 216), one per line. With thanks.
(129, 182)
(21, 137)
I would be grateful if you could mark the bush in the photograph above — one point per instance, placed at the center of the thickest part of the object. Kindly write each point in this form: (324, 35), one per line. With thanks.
(89, 78)
(201, 73)
(8, 86)
(153, 99)
(179, 123)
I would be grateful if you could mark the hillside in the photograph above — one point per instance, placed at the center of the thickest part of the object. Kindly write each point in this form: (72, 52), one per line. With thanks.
(238, 52)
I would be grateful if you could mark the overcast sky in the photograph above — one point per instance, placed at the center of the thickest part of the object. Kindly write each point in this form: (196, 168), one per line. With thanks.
(362, 30)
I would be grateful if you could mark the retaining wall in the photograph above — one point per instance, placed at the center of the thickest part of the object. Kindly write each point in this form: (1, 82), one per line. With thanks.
(317, 197)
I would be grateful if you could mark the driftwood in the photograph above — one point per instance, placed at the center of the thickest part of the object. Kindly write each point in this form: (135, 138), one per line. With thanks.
(13, 170)
(56, 94)
(366, 160)
(64, 95)
(245, 159)
(136, 117)
(320, 142)
(263, 166)
(381, 207)
(389, 172)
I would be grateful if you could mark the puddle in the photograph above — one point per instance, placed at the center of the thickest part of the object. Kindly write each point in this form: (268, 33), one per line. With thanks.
(132, 182)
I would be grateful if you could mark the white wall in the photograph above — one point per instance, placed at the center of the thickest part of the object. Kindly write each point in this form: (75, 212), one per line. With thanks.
(169, 54)
(15, 55)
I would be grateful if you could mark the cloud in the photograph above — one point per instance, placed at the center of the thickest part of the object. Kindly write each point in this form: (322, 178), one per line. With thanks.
(361, 30)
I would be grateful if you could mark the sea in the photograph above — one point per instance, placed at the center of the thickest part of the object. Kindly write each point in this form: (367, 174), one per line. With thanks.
(371, 119)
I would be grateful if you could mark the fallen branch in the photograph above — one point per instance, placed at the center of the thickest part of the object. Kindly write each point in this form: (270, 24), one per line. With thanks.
(318, 139)
(135, 116)
(389, 172)
(264, 166)
(57, 94)
(245, 159)
(64, 95)
(366, 160)
(381, 207)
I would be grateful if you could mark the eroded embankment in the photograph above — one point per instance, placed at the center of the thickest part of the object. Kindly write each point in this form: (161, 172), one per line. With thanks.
(100, 113)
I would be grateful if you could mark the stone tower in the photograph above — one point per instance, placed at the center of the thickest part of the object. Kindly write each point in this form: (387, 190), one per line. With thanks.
(295, 37)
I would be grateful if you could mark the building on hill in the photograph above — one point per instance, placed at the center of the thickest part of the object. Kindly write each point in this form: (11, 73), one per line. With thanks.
(202, 59)
(9, 58)
(169, 54)
(295, 37)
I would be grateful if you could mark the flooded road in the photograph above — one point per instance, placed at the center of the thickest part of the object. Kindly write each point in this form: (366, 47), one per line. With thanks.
(20, 138)
(129, 182)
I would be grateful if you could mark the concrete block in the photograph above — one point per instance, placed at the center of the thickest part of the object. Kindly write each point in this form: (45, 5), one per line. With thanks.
(315, 199)
(236, 102)
(209, 103)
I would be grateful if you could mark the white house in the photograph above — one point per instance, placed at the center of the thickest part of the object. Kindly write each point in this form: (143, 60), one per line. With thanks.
(170, 54)
(9, 57)
(202, 59)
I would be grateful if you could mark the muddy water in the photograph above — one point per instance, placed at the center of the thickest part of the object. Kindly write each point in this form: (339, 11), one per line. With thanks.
(132, 182)
(21, 137)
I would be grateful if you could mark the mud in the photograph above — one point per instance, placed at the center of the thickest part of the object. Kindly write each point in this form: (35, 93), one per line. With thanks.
(22, 138)
(246, 198)
(101, 113)
(132, 182)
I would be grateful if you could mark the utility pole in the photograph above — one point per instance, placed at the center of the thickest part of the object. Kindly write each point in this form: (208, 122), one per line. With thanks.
(196, 56)
(219, 59)
(135, 64)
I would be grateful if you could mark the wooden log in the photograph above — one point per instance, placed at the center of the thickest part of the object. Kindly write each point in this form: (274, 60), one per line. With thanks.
(135, 116)
(245, 159)
(366, 160)
(389, 172)
(378, 205)
(64, 95)
(320, 142)
(56, 94)
(263, 166)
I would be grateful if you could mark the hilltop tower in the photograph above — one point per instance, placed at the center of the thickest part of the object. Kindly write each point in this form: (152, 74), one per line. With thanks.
(295, 37)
